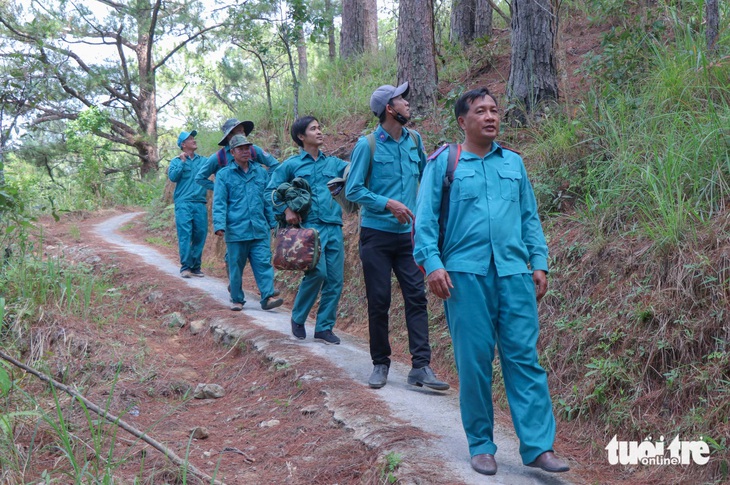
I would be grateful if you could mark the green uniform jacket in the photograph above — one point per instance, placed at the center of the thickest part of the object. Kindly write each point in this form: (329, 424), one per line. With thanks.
(211, 166)
(317, 173)
(395, 173)
(492, 213)
(183, 174)
(238, 203)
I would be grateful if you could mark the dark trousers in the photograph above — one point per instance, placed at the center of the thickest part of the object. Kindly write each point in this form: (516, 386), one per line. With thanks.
(382, 252)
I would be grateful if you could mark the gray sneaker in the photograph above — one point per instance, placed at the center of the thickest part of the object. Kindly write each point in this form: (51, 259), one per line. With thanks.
(186, 273)
(425, 377)
(379, 376)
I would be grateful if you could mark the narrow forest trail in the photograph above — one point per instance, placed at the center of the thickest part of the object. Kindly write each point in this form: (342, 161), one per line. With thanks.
(435, 413)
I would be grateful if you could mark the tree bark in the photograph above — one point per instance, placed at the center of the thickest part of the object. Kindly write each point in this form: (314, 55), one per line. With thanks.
(329, 12)
(533, 79)
(712, 14)
(302, 54)
(370, 11)
(483, 14)
(359, 27)
(462, 22)
(417, 54)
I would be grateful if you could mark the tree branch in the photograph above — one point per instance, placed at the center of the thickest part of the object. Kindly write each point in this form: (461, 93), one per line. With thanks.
(186, 42)
(172, 99)
(115, 420)
(499, 11)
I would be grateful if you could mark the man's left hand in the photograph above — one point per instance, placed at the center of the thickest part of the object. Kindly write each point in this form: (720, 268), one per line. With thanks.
(540, 279)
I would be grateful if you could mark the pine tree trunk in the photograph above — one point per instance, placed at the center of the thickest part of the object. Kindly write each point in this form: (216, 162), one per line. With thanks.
(533, 78)
(712, 14)
(302, 54)
(352, 35)
(416, 54)
(462, 22)
(370, 20)
(329, 13)
(483, 14)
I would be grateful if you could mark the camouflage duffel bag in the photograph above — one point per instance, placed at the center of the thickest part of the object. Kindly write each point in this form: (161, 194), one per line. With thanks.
(296, 248)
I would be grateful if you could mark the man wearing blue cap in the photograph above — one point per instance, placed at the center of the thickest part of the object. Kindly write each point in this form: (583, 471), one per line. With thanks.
(223, 157)
(385, 171)
(191, 215)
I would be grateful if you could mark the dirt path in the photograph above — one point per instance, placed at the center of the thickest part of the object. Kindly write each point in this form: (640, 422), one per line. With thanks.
(435, 413)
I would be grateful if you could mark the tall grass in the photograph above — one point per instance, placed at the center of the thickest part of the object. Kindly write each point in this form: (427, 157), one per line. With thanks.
(658, 152)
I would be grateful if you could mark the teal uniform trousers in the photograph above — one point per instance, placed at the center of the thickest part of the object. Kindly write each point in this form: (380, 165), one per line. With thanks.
(488, 310)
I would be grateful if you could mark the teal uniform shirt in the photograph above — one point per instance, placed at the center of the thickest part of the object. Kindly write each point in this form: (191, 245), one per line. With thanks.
(183, 174)
(492, 213)
(394, 174)
(212, 165)
(238, 203)
(317, 172)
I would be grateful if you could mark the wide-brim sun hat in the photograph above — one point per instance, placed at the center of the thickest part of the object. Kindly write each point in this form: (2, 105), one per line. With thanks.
(230, 125)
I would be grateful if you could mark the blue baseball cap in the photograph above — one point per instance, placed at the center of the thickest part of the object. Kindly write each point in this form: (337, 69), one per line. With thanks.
(184, 136)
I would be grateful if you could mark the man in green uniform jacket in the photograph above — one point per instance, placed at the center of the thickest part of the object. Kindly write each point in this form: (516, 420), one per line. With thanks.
(241, 215)
(191, 214)
(219, 160)
(490, 270)
(325, 215)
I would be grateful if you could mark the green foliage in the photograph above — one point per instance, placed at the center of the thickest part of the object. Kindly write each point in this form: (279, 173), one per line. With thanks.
(392, 462)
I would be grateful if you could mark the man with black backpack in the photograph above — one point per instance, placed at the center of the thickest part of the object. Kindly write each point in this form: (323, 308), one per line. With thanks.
(384, 174)
(480, 240)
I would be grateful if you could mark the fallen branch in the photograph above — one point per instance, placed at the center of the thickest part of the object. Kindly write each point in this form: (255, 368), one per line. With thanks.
(114, 420)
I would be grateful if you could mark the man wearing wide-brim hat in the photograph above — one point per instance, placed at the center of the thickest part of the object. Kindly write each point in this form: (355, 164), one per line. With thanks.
(191, 215)
(223, 157)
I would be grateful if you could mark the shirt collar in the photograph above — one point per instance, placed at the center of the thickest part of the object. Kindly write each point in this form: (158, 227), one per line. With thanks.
(383, 135)
(304, 154)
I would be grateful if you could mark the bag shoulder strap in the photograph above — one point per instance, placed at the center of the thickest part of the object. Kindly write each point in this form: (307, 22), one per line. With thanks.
(222, 159)
(452, 163)
(371, 144)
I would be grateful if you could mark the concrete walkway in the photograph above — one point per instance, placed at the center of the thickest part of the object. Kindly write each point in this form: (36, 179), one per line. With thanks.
(436, 413)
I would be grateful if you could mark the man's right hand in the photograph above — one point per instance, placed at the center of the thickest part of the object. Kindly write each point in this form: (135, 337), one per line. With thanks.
(400, 211)
(292, 217)
(183, 156)
(219, 232)
(439, 283)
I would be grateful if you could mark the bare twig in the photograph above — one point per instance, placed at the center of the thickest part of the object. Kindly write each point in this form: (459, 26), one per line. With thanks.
(114, 420)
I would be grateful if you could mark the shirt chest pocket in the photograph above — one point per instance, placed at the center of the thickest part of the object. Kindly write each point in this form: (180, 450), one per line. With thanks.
(306, 174)
(383, 166)
(509, 184)
(414, 170)
(464, 186)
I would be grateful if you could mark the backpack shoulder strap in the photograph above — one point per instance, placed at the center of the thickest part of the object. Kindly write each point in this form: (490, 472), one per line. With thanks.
(222, 159)
(452, 163)
(253, 153)
(371, 144)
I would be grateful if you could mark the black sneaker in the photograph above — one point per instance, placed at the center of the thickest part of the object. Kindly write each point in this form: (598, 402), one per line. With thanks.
(327, 336)
(298, 330)
(197, 272)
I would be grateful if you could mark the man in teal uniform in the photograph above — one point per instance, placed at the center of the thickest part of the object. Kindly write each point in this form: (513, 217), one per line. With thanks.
(383, 179)
(241, 215)
(490, 270)
(191, 214)
(325, 215)
(223, 157)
